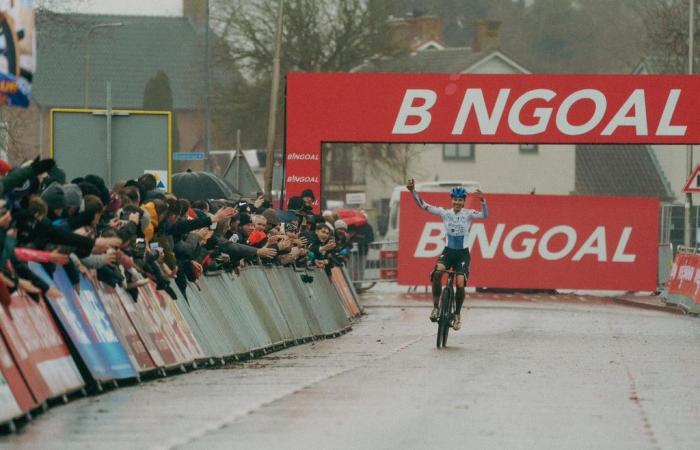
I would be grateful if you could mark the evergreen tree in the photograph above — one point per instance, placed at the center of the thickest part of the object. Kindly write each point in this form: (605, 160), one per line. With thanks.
(158, 96)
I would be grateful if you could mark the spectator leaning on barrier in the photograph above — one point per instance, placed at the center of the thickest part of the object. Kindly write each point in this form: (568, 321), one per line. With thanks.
(342, 242)
(321, 244)
(135, 231)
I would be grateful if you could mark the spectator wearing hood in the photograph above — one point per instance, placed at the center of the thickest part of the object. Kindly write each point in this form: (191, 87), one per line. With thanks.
(309, 198)
(55, 200)
(245, 226)
(74, 198)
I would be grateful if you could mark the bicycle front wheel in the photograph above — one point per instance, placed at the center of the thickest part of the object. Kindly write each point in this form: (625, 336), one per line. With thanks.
(444, 317)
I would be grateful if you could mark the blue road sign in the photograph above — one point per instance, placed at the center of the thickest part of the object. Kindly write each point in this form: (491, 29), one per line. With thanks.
(188, 156)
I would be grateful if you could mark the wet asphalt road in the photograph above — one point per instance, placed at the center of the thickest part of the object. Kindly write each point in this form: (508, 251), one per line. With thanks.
(532, 374)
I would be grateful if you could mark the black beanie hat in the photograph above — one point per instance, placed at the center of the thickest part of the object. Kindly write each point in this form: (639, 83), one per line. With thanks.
(295, 204)
(244, 219)
(54, 197)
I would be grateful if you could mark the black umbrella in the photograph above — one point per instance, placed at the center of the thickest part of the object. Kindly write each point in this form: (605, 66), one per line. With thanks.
(201, 186)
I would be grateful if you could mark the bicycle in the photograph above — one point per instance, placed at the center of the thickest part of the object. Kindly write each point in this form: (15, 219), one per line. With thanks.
(446, 308)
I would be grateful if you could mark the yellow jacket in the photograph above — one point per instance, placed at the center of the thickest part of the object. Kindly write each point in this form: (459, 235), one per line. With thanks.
(151, 228)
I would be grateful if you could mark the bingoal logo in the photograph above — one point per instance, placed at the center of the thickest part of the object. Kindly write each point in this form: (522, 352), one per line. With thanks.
(523, 241)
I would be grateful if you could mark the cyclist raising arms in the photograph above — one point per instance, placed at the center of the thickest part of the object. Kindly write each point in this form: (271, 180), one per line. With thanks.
(457, 222)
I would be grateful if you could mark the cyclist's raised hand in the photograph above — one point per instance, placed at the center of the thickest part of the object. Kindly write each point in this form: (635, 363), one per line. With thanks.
(478, 194)
(411, 185)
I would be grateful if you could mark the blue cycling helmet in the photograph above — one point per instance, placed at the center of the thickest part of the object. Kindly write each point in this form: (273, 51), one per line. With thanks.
(458, 192)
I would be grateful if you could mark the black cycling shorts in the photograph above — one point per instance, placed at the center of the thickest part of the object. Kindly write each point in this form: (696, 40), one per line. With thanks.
(457, 259)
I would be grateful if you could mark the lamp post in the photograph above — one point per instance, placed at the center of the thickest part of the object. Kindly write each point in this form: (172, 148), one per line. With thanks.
(86, 89)
(272, 123)
(689, 149)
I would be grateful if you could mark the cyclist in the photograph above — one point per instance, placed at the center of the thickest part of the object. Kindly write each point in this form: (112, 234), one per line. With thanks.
(457, 222)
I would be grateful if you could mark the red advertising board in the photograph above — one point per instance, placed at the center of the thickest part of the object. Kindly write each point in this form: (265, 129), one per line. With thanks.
(128, 335)
(19, 397)
(24, 354)
(685, 277)
(41, 338)
(541, 242)
(394, 107)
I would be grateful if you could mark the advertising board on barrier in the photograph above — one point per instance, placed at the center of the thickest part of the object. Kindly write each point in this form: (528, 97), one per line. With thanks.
(9, 408)
(43, 339)
(19, 397)
(541, 242)
(26, 359)
(135, 347)
(110, 346)
(68, 312)
(684, 280)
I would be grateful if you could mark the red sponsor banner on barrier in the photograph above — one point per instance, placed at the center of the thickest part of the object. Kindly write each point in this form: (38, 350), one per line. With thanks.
(42, 339)
(24, 354)
(394, 107)
(148, 298)
(180, 327)
(128, 335)
(21, 397)
(685, 277)
(147, 331)
(541, 242)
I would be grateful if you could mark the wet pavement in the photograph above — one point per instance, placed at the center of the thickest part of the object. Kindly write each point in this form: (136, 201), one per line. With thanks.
(528, 372)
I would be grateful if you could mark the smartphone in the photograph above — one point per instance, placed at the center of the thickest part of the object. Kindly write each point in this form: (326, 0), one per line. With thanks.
(154, 246)
(282, 228)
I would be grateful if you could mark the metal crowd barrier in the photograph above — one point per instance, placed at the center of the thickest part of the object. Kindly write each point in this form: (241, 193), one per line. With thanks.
(372, 264)
(683, 286)
(100, 334)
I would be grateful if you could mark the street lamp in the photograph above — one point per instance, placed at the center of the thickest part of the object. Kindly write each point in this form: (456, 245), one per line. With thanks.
(86, 90)
(689, 149)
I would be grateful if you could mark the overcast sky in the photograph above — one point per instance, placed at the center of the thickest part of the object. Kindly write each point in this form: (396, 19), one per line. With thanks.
(136, 7)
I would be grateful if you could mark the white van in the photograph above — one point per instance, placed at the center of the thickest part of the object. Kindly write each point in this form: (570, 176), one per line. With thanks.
(392, 232)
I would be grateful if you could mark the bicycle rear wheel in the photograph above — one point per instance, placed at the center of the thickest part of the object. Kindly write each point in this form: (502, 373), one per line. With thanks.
(444, 317)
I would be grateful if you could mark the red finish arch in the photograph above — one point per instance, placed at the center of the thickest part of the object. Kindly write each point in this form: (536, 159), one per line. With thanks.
(379, 107)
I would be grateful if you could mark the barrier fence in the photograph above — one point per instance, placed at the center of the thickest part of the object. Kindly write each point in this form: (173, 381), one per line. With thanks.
(97, 334)
(683, 287)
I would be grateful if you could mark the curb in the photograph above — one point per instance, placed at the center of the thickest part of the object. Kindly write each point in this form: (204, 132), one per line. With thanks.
(634, 304)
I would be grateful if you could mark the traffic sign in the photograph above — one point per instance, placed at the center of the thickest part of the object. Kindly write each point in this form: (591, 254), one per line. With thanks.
(188, 156)
(355, 198)
(693, 184)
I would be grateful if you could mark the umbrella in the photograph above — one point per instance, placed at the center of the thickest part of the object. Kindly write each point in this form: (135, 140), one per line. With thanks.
(287, 216)
(352, 216)
(201, 186)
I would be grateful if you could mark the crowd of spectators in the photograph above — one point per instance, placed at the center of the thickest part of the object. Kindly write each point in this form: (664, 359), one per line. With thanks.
(133, 232)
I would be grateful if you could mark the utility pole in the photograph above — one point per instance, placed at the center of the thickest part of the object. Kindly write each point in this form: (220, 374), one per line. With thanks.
(272, 122)
(689, 149)
(207, 114)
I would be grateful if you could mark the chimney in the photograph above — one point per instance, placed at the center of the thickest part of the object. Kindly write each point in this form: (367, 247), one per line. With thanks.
(195, 10)
(487, 36)
(416, 29)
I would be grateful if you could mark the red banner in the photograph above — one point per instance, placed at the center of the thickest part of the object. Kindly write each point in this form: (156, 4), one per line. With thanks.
(383, 107)
(138, 353)
(685, 277)
(541, 242)
(19, 396)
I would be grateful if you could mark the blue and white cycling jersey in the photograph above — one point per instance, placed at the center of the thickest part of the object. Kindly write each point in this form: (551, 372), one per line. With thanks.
(457, 225)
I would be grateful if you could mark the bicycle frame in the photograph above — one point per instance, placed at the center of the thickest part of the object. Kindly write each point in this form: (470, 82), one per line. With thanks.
(446, 307)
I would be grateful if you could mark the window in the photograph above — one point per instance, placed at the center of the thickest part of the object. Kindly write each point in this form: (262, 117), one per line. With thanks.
(463, 152)
(529, 148)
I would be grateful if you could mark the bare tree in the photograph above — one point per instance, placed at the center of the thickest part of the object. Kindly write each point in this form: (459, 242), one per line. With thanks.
(666, 22)
(396, 162)
(319, 35)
